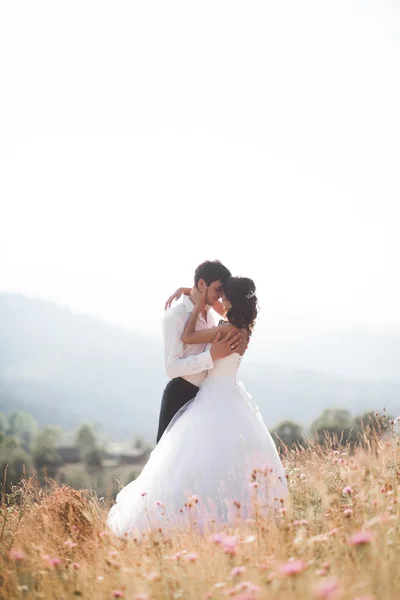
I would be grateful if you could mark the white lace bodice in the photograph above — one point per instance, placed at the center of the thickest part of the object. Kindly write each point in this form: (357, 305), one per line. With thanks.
(226, 367)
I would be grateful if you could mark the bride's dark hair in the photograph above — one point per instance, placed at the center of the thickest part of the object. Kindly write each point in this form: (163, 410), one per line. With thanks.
(241, 293)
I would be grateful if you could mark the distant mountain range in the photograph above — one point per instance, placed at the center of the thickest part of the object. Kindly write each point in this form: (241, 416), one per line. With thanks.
(66, 368)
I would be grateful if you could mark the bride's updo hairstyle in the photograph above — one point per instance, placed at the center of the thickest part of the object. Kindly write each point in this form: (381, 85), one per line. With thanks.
(241, 293)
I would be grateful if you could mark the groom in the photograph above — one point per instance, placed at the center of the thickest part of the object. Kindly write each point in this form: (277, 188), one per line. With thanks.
(186, 364)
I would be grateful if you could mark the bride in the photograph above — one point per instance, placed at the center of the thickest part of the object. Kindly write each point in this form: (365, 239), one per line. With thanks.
(216, 461)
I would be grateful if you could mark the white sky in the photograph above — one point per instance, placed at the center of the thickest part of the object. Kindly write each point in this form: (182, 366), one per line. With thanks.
(138, 139)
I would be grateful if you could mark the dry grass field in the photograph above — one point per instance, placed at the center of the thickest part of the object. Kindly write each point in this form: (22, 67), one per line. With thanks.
(337, 538)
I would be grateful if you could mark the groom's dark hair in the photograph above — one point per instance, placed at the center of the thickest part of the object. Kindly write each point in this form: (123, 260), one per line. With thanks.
(211, 270)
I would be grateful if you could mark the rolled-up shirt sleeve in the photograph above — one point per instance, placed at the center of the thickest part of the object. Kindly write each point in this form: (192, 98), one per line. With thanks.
(175, 364)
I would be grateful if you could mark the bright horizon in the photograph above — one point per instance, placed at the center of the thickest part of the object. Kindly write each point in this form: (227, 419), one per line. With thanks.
(139, 140)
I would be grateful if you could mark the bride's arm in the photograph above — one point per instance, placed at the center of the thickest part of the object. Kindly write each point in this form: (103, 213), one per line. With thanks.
(190, 336)
(204, 336)
(176, 295)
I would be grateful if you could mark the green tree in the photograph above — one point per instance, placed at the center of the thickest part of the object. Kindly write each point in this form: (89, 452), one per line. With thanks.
(85, 439)
(370, 425)
(3, 424)
(288, 433)
(24, 427)
(45, 454)
(16, 460)
(333, 423)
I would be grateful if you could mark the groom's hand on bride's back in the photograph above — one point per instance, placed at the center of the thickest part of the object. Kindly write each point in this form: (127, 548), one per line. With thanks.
(227, 345)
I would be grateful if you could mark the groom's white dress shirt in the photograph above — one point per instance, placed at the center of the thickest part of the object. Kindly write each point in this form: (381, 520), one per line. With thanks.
(190, 361)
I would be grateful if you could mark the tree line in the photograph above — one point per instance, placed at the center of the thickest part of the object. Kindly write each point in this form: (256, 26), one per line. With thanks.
(26, 449)
(336, 426)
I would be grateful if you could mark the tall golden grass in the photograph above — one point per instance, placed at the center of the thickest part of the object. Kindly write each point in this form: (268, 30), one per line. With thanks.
(337, 538)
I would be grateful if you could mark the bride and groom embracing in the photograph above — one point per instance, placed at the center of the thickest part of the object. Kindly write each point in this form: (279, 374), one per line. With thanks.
(215, 457)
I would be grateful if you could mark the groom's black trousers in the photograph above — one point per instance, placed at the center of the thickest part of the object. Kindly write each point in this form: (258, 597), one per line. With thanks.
(176, 394)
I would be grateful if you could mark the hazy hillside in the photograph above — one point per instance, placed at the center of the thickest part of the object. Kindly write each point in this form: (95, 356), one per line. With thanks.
(65, 368)
(77, 366)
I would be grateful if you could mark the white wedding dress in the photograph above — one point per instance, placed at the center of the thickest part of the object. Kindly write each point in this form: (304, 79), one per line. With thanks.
(213, 462)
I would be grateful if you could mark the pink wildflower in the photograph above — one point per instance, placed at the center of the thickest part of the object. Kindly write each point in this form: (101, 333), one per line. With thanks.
(70, 544)
(191, 557)
(217, 538)
(76, 565)
(324, 569)
(360, 538)
(118, 594)
(238, 571)
(348, 512)
(299, 522)
(347, 490)
(53, 562)
(16, 554)
(230, 544)
(172, 557)
(160, 504)
(293, 567)
(328, 589)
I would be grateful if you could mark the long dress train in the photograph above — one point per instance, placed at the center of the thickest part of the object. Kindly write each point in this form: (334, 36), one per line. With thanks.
(215, 462)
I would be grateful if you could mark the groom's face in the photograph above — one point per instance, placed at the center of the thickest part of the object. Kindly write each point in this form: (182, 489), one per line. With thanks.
(214, 291)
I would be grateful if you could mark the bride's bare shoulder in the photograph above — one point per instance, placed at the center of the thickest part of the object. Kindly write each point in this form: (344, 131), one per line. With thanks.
(225, 326)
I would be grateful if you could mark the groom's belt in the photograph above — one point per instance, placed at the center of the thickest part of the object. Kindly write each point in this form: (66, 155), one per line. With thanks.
(183, 383)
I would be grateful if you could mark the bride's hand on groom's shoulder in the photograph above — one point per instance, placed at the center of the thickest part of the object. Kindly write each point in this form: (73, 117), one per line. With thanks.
(176, 295)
